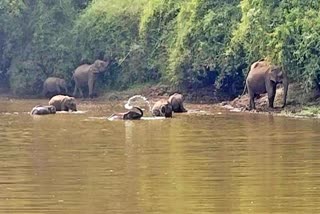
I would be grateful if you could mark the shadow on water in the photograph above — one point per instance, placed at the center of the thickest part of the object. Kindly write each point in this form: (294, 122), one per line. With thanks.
(205, 161)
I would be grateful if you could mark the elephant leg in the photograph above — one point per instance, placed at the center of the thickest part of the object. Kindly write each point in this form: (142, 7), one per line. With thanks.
(58, 89)
(251, 100)
(271, 94)
(81, 93)
(90, 86)
(183, 109)
(75, 90)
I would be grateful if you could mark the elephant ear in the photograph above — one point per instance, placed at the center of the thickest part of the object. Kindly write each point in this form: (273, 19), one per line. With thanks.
(276, 74)
(273, 74)
(94, 69)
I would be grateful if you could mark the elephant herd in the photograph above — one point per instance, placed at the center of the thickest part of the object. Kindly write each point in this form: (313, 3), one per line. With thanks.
(84, 76)
(162, 108)
(56, 103)
(263, 77)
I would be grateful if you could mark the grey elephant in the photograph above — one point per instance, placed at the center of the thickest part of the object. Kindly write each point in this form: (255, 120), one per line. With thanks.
(63, 103)
(176, 101)
(53, 86)
(86, 75)
(43, 110)
(263, 78)
(162, 108)
(129, 115)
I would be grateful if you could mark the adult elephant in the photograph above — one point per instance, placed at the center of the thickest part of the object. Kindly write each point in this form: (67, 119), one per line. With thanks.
(54, 86)
(86, 75)
(42, 110)
(263, 78)
(63, 103)
(162, 108)
(129, 115)
(176, 101)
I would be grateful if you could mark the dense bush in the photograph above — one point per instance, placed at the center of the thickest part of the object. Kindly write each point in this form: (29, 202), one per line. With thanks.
(186, 43)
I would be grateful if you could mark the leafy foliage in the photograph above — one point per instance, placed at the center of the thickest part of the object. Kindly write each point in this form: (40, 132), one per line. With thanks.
(187, 43)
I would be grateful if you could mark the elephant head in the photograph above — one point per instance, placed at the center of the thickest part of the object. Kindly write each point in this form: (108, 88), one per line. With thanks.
(130, 115)
(69, 103)
(162, 108)
(63, 85)
(277, 75)
(99, 66)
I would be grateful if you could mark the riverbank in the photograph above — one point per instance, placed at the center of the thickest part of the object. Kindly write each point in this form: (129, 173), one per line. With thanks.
(298, 104)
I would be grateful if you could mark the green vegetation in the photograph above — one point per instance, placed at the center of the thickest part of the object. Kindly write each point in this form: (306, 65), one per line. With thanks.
(186, 43)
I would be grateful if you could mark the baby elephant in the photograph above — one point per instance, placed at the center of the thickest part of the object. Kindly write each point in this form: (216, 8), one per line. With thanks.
(63, 103)
(162, 108)
(129, 115)
(53, 86)
(42, 110)
(176, 101)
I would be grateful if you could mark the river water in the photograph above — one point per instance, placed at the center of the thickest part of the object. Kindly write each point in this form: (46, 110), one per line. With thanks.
(208, 161)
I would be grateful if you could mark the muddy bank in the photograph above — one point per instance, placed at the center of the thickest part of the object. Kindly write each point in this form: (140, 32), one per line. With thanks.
(298, 104)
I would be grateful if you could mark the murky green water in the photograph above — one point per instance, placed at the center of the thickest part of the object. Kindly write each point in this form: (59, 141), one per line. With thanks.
(193, 163)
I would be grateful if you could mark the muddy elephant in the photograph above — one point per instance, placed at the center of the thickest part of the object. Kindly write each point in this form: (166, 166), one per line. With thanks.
(263, 78)
(42, 110)
(162, 108)
(129, 115)
(63, 103)
(54, 86)
(176, 101)
(86, 75)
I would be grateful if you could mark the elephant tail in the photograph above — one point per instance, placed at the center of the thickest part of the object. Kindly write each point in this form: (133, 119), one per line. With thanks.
(244, 90)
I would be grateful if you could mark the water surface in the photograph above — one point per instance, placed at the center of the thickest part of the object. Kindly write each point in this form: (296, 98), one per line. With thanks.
(208, 161)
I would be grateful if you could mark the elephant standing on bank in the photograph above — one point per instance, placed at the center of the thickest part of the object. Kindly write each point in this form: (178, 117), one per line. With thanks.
(176, 101)
(86, 75)
(162, 108)
(63, 103)
(54, 86)
(263, 78)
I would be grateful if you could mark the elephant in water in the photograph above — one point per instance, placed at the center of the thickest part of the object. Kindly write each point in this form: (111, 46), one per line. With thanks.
(176, 101)
(53, 86)
(162, 108)
(86, 75)
(129, 115)
(263, 78)
(42, 110)
(63, 103)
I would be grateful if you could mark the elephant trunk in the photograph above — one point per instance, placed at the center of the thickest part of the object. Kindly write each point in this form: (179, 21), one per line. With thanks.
(285, 83)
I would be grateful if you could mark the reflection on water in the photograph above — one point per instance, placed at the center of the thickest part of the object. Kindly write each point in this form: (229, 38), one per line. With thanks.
(192, 163)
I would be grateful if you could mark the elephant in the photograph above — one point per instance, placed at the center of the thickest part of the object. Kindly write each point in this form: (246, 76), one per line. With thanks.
(176, 101)
(263, 78)
(129, 115)
(63, 103)
(86, 75)
(162, 108)
(54, 86)
(42, 110)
